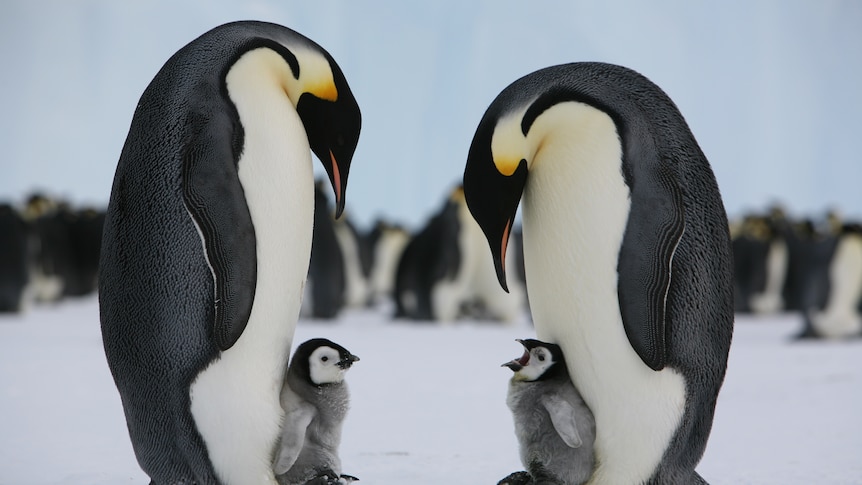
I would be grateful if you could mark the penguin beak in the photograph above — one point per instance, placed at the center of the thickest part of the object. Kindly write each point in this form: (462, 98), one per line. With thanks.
(514, 365)
(339, 183)
(346, 363)
(518, 364)
(333, 133)
(493, 199)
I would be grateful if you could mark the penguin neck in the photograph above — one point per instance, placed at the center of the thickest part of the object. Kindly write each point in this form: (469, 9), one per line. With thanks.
(276, 175)
(305, 389)
(575, 211)
(276, 172)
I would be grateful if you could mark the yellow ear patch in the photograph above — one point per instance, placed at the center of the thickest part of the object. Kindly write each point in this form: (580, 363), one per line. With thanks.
(457, 194)
(508, 143)
(325, 91)
(315, 75)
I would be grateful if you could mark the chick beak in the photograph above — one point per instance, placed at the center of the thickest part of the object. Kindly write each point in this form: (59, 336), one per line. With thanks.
(346, 363)
(518, 364)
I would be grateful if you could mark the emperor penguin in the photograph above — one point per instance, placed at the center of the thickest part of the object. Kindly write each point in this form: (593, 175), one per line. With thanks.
(385, 243)
(430, 257)
(206, 245)
(841, 316)
(324, 290)
(626, 252)
(442, 271)
(315, 399)
(14, 250)
(555, 429)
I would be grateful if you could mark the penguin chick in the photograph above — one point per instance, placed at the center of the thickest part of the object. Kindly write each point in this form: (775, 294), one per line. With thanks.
(315, 401)
(554, 426)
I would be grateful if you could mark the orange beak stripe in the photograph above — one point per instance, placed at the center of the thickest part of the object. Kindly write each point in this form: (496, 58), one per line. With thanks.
(336, 175)
(505, 244)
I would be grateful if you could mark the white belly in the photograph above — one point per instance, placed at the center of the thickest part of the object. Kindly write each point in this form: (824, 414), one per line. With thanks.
(840, 318)
(575, 209)
(235, 401)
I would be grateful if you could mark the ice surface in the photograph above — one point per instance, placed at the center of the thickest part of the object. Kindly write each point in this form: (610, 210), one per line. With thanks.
(428, 403)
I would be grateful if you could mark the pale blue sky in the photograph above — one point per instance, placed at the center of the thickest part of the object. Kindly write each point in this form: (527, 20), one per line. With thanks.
(771, 89)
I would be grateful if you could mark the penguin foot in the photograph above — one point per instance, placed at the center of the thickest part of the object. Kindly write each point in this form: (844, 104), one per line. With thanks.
(329, 477)
(517, 478)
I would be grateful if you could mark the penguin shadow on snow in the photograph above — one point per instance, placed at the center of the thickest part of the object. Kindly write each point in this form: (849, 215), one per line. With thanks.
(555, 428)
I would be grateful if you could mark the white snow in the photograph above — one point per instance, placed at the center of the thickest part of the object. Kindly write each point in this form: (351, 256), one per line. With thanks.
(428, 403)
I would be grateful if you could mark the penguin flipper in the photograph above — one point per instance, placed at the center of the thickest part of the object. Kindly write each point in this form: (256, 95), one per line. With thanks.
(216, 202)
(562, 415)
(655, 226)
(296, 422)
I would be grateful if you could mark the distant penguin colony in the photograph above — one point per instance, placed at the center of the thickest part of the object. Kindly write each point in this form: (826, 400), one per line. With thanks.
(840, 316)
(315, 401)
(626, 251)
(442, 273)
(385, 244)
(554, 426)
(13, 259)
(206, 245)
(809, 267)
(325, 287)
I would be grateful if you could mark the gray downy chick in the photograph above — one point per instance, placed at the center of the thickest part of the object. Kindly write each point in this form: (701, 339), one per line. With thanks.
(555, 428)
(315, 401)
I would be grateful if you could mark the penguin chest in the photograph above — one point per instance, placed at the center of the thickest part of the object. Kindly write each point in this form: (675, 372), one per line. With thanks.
(235, 400)
(575, 209)
(841, 317)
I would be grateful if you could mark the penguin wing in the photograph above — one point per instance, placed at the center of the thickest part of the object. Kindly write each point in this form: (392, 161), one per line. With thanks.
(296, 422)
(655, 226)
(216, 202)
(562, 415)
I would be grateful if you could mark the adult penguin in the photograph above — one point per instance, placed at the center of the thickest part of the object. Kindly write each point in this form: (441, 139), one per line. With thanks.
(627, 255)
(206, 245)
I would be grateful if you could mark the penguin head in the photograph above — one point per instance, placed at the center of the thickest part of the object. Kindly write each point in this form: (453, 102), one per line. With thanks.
(540, 360)
(494, 181)
(321, 361)
(518, 125)
(330, 115)
(318, 90)
(503, 150)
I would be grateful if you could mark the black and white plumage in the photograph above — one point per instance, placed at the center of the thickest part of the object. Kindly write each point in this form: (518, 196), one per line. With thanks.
(315, 401)
(325, 286)
(841, 315)
(206, 245)
(554, 426)
(626, 252)
(14, 235)
(443, 271)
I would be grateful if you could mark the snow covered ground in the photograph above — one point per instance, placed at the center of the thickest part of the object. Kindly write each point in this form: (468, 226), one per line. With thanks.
(429, 403)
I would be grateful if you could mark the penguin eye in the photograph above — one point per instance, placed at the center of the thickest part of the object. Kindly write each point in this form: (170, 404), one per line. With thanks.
(324, 358)
(541, 357)
(339, 140)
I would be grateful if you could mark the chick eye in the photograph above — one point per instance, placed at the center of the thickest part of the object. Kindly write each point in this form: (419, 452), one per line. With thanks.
(324, 358)
(541, 357)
